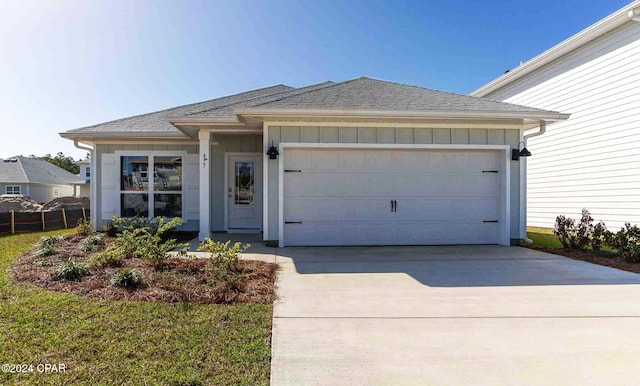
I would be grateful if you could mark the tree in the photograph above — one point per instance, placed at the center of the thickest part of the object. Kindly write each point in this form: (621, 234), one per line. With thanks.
(62, 161)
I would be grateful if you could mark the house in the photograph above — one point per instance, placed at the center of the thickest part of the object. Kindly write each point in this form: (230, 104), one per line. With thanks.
(38, 179)
(360, 162)
(82, 187)
(590, 160)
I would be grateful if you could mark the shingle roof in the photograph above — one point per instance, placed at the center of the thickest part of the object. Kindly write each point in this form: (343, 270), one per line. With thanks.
(228, 111)
(33, 170)
(372, 94)
(360, 94)
(156, 122)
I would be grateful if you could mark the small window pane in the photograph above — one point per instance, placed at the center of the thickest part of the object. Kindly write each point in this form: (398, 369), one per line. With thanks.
(168, 205)
(167, 172)
(134, 173)
(12, 190)
(245, 187)
(134, 205)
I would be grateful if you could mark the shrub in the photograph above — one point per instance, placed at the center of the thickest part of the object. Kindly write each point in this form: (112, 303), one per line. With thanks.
(600, 236)
(627, 242)
(46, 246)
(110, 257)
(92, 242)
(47, 250)
(109, 229)
(85, 228)
(126, 277)
(141, 238)
(572, 235)
(71, 271)
(223, 260)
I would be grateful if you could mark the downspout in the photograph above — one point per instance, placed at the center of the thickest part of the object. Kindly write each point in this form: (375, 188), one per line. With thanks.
(523, 184)
(93, 188)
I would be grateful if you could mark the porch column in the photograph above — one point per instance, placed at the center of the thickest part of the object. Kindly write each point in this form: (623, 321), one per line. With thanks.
(205, 184)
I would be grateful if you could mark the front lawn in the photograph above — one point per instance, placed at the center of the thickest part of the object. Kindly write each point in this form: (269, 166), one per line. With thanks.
(126, 342)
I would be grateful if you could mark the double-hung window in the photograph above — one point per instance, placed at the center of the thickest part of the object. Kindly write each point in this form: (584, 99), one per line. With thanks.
(150, 185)
(12, 189)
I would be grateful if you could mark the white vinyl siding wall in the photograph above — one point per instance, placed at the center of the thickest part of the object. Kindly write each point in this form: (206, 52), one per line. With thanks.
(591, 160)
(386, 135)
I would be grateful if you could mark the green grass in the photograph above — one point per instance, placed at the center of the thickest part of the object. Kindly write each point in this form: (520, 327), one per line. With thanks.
(543, 237)
(119, 343)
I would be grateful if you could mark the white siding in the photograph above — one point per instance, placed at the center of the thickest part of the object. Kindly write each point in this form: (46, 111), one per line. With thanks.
(591, 160)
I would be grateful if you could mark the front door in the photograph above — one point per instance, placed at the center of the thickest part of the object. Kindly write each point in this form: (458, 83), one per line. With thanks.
(244, 192)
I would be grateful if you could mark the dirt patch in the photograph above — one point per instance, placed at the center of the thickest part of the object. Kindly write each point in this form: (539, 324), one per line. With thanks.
(182, 280)
(591, 257)
(68, 203)
(18, 203)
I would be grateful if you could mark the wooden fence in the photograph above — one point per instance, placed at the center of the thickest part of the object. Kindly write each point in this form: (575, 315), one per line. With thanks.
(25, 222)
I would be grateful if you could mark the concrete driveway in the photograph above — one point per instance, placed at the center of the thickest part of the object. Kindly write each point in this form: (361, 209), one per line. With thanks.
(452, 315)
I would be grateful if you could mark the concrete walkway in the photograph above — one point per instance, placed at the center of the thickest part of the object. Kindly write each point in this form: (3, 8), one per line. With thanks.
(451, 315)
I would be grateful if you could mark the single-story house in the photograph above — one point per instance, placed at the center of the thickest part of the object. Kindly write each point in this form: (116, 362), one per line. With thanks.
(360, 162)
(38, 179)
(82, 187)
(591, 160)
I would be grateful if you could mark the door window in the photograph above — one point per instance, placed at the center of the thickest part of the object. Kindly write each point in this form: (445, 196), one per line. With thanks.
(244, 182)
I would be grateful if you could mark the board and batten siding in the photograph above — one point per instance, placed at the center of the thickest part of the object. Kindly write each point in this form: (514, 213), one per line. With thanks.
(592, 159)
(386, 135)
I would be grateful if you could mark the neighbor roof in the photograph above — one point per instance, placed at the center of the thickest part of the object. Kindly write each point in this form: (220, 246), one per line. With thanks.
(34, 170)
(576, 41)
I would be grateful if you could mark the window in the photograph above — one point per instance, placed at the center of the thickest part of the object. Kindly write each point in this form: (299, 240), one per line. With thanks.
(13, 189)
(245, 184)
(87, 172)
(156, 190)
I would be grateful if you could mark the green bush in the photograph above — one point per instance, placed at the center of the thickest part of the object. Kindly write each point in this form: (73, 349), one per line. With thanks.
(109, 229)
(576, 235)
(71, 271)
(46, 246)
(627, 242)
(85, 228)
(92, 242)
(223, 260)
(141, 238)
(110, 257)
(126, 277)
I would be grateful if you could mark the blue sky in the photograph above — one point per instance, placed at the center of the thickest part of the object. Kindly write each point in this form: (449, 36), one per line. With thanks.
(70, 63)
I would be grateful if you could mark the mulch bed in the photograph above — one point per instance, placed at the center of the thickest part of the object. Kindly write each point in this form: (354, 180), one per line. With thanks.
(181, 280)
(596, 258)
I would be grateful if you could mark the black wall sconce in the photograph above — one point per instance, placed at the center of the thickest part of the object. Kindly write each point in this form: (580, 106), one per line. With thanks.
(517, 153)
(273, 152)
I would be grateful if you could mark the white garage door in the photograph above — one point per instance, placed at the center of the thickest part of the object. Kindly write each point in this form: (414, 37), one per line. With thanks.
(390, 197)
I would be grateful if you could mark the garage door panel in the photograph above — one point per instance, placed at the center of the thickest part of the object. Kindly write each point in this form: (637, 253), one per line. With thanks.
(352, 184)
(343, 197)
(386, 161)
(356, 233)
(367, 209)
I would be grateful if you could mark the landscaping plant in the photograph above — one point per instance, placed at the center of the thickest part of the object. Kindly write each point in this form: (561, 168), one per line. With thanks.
(224, 259)
(71, 271)
(126, 277)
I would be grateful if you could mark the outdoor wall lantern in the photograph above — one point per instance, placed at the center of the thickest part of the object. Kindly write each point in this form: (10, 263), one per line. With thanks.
(517, 153)
(273, 152)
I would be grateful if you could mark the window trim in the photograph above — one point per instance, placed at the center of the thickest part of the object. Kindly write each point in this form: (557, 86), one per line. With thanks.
(13, 189)
(151, 154)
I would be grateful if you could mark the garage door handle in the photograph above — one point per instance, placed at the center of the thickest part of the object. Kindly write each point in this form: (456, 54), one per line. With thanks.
(395, 205)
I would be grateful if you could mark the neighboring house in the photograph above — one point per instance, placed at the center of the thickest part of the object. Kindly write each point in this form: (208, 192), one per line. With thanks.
(83, 187)
(38, 179)
(360, 162)
(591, 160)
